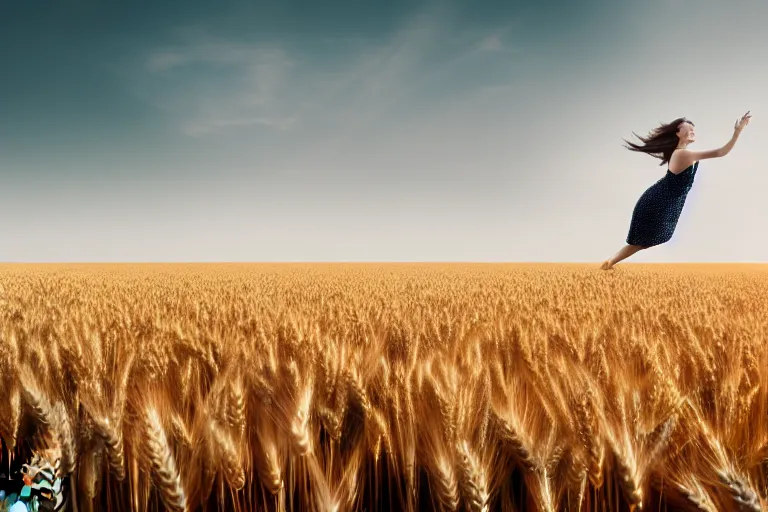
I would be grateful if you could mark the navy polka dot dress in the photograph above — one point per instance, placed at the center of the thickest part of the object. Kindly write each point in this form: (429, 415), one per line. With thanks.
(657, 211)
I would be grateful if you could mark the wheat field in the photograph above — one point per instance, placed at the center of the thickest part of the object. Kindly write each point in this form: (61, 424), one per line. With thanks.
(340, 387)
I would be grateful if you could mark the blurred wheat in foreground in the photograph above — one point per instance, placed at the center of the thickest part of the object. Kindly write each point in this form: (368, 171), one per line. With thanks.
(389, 387)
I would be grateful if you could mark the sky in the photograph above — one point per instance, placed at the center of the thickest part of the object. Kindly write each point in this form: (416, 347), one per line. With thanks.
(282, 131)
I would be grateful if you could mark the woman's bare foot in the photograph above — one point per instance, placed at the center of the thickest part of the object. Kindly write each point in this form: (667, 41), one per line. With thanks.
(624, 253)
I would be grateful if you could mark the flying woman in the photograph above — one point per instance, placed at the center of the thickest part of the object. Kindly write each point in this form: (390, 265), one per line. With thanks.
(656, 213)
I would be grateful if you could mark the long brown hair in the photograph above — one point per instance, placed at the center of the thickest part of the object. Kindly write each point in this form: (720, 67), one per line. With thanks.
(661, 142)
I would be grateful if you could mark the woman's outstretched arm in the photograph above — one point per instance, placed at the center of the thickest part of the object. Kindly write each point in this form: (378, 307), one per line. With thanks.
(687, 157)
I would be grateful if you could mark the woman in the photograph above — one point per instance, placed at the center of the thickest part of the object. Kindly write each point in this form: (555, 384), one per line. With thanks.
(658, 209)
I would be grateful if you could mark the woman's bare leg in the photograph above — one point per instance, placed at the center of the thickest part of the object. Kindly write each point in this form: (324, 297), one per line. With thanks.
(624, 253)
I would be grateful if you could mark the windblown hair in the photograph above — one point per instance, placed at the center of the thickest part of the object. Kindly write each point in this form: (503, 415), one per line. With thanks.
(661, 142)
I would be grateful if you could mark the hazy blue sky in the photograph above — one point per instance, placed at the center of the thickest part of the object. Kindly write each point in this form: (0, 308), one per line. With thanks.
(358, 131)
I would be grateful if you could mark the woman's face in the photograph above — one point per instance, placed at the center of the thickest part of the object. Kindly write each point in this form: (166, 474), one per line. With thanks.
(686, 133)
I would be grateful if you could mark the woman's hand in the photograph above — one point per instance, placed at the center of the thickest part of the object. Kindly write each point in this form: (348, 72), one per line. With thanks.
(741, 123)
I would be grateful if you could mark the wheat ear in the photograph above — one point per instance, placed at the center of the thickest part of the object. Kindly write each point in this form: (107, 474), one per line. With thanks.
(447, 487)
(112, 435)
(158, 453)
(741, 492)
(696, 495)
(229, 459)
(474, 483)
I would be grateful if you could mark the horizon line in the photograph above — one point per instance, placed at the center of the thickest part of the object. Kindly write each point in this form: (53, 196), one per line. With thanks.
(365, 262)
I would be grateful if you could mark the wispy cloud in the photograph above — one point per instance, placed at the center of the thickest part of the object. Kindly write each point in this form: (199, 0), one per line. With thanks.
(214, 125)
(241, 85)
(492, 43)
(228, 84)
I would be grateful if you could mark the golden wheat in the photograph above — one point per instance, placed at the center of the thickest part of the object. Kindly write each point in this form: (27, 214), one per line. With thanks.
(390, 387)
